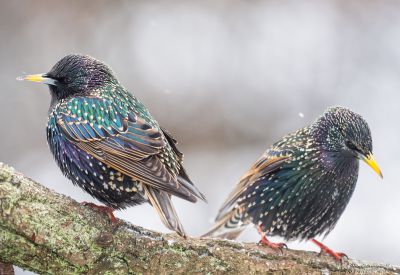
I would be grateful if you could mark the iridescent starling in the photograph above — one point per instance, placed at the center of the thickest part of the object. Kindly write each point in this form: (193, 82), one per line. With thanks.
(105, 140)
(300, 186)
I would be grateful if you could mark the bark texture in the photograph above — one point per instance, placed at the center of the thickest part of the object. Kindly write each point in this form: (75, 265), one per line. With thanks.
(49, 233)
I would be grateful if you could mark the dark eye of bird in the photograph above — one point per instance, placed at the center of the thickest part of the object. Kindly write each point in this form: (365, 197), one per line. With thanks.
(351, 145)
(60, 79)
(63, 79)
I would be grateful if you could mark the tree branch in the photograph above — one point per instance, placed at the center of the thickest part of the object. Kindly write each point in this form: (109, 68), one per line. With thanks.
(46, 232)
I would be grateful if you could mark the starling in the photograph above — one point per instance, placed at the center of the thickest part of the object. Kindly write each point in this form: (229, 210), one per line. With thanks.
(301, 185)
(105, 140)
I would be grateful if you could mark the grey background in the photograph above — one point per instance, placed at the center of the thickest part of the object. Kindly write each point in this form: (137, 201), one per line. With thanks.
(227, 78)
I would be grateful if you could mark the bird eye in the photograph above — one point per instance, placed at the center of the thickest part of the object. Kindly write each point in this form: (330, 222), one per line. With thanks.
(62, 79)
(351, 145)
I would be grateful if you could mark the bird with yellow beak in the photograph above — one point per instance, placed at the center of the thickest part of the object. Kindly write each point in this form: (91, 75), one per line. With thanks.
(300, 186)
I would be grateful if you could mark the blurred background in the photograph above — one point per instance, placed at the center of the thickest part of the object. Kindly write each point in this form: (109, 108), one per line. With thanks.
(227, 78)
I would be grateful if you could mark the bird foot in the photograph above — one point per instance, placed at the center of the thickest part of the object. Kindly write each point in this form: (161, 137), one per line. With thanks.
(104, 209)
(275, 246)
(264, 241)
(338, 256)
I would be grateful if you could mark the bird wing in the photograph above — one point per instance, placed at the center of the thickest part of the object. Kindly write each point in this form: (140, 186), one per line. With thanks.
(269, 162)
(118, 137)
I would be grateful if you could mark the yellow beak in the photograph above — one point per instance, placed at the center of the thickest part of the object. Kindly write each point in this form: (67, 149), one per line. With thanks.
(39, 78)
(369, 159)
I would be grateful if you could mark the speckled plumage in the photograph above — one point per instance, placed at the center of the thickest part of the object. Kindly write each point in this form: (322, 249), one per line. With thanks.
(300, 186)
(105, 141)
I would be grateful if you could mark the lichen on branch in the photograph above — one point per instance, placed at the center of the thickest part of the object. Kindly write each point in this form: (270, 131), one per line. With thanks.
(46, 232)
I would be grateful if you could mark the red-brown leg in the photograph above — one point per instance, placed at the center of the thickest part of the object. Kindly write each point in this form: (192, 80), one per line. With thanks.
(264, 241)
(6, 269)
(104, 209)
(336, 255)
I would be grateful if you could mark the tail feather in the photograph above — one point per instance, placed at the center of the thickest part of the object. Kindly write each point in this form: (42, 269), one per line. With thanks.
(183, 177)
(229, 226)
(161, 201)
(184, 180)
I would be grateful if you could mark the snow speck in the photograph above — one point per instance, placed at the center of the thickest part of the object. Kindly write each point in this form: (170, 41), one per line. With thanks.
(170, 242)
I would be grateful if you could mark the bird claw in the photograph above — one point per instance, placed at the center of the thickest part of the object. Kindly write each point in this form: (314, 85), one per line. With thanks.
(275, 246)
(103, 209)
(342, 255)
(264, 241)
(338, 256)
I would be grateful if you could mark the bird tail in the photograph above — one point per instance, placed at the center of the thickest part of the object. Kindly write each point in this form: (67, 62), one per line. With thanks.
(184, 180)
(161, 201)
(228, 226)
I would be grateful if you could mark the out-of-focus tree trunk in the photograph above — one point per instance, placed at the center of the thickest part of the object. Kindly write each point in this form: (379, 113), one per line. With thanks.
(46, 232)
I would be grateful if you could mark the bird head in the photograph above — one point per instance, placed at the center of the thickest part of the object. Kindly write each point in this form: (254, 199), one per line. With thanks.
(342, 132)
(74, 75)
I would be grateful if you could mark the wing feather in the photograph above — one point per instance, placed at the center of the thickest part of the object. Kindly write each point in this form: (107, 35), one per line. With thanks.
(123, 141)
(266, 164)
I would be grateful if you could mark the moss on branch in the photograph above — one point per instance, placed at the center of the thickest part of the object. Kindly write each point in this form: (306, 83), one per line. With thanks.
(46, 232)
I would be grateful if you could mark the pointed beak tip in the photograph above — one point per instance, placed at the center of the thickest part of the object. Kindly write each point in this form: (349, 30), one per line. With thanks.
(32, 77)
(369, 159)
(38, 78)
(20, 78)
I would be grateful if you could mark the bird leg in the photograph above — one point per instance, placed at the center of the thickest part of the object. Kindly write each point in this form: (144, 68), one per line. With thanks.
(104, 209)
(266, 242)
(336, 255)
